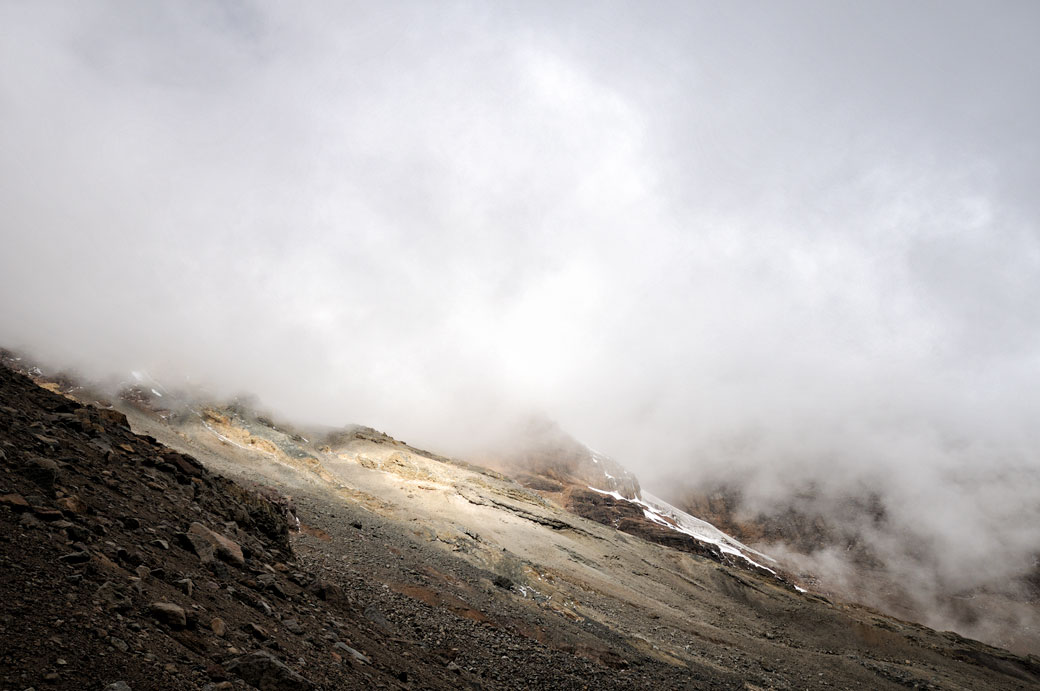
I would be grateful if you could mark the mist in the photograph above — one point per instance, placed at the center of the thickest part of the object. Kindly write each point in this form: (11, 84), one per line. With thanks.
(784, 243)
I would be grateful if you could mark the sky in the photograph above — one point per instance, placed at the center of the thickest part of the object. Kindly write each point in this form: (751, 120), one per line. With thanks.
(791, 242)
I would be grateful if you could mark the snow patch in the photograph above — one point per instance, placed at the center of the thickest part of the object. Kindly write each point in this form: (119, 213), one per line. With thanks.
(663, 513)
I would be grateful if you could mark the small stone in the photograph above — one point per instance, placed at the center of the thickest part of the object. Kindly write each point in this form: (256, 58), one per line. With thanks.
(118, 686)
(359, 656)
(160, 543)
(76, 533)
(217, 626)
(143, 572)
(111, 597)
(30, 522)
(49, 441)
(49, 515)
(186, 585)
(119, 644)
(81, 557)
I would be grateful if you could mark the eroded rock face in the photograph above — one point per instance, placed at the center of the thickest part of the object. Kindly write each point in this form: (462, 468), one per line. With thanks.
(629, 518)
(545, 456)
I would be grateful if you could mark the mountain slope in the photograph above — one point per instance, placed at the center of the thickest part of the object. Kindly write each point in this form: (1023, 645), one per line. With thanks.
(410, 571)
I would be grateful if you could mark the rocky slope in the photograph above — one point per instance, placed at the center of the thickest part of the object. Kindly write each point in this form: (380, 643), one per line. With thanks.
(830, 544)
(130, 563)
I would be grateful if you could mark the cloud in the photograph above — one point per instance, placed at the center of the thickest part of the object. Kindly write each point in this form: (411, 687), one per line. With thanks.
(791, 243)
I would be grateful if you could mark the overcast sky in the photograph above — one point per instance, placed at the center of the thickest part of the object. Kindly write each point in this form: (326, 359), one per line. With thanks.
(799, 239)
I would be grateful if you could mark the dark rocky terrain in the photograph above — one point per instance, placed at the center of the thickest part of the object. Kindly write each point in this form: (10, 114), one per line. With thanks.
(128, 564)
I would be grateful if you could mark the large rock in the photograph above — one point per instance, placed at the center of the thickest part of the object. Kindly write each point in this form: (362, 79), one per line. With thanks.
(267, 673)
(211, 545)
(169, 613)
(42, 471)
(16, 502)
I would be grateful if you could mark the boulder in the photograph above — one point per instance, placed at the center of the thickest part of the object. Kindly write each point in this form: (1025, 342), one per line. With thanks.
(210, 546)
(72, 504)
(169, 613)
(42, 471)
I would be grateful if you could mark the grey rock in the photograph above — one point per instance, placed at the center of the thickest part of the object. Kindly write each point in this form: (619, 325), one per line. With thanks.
(357, 655)
(75, 557)
(186, 585)
(293, 626)
(266, 672)
(112, 598)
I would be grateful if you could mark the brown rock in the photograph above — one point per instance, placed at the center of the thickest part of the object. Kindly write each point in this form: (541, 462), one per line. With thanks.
(169, 613)
(42, 471)
(114, 417)
(188, 466)
(210, 545)
(49, 515)
(257, 631)
(73, 503)
(216, 672)
(218, 627)
(326, 590)
(15, 501)
(49, 441)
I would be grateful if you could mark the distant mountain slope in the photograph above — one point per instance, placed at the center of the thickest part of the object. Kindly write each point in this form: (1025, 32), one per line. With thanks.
(409, 570)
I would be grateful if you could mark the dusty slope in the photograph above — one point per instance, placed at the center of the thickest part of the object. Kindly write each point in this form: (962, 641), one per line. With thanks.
(439, 573)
